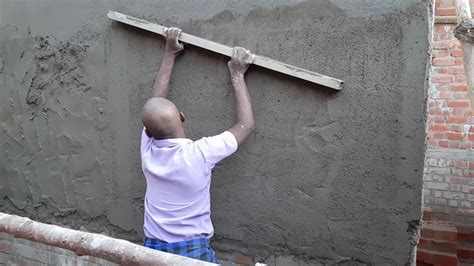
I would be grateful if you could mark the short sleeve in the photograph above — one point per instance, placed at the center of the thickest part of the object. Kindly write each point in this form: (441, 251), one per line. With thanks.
(217, 148)
(145, 140)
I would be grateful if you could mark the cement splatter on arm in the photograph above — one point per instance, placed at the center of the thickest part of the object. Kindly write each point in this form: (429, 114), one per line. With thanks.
(238, 65)
(173, 48)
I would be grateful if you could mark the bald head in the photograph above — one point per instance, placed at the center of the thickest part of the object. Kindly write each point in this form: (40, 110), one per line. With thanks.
(161, 118)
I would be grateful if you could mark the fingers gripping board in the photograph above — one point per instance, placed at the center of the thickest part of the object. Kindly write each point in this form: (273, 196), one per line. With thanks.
(226, 50)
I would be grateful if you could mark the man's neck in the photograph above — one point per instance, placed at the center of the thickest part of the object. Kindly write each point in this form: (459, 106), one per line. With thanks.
(179, 133)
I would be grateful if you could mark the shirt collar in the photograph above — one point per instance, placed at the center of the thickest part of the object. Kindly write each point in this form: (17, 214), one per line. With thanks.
(162, 143)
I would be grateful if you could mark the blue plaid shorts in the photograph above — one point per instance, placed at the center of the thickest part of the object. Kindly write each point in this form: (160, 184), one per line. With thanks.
(199, 248)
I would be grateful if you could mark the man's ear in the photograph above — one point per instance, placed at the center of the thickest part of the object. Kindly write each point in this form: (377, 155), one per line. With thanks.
(182, 116)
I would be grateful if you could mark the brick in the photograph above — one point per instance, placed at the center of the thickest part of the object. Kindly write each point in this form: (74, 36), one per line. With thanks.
(5, 247)
(437, 119)
(457, 119)
(445, 259)
(437, 194)
(443, 79)
(445, 95)
(441, 209)
(438, 245)
(454, 44)
(224, 255)
(440, 28)
(464, 212)
(454, 180)
(30, 251)
(426, 215)
(457, 53)
(453, 195)
(426, 232)
(467, 145)
(454, 187)
(432, 143)
(470, 197)
(455, 136)
(466, 204)
(465, 235)
(437, 111)
(460, 78)
(437, 37)
(456, 70)
(437, 178)
(461, 95)
(450, 11)
(458, 112)
(457, 128)
(454, 144)
(461, 164)
(459, 61)
(241, 259)
(444, 61)
(452, 203)
(440, 53)
(471, 164)
(5, 259)
(437, 201)
(444, 3)
(427, 177)
(457, 172)
(443, 144)
(440, 70)
(432, 162)
(424, 256)
(444, 232)
(440, 45)
(458, 103)
(458, 88)
(438, 171)
(469, 173)
(426, 192)
(467, 188)
(439, 135)
(444, 163)
(439, 127)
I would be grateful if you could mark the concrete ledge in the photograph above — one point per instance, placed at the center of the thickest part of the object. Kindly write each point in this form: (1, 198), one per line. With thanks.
(88, 244)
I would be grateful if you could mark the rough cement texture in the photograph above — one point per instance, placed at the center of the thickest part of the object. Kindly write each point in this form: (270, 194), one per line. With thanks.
(326, 177)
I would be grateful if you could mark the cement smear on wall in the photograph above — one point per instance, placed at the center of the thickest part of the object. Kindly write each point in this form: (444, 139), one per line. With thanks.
(326, 177)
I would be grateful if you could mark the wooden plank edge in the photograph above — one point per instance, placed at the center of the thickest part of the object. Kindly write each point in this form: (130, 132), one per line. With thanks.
(262, 61)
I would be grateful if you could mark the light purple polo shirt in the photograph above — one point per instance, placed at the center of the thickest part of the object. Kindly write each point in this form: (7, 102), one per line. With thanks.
(178, 177)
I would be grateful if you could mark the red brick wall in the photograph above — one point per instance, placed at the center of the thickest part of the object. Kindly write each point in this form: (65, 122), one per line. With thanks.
(450, 114)
(17, 251)
(448, 189)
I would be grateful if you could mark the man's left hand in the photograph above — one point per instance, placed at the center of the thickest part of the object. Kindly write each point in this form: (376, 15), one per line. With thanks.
(172, 44)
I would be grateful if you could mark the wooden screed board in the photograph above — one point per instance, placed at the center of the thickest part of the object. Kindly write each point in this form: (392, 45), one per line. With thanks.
(226, 50)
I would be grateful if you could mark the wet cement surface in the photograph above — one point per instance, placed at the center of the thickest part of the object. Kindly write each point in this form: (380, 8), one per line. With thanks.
(326, 177)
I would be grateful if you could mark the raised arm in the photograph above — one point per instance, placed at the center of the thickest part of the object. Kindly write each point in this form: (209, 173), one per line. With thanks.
(239, 63)
(173, 48)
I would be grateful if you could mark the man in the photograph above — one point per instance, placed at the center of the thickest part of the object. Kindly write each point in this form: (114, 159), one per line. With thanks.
(177, 169)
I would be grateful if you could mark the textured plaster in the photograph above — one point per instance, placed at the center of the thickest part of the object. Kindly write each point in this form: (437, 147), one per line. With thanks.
(326, 177)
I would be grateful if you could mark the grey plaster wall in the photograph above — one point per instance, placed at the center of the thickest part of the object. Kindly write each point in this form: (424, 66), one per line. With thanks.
(326, 177)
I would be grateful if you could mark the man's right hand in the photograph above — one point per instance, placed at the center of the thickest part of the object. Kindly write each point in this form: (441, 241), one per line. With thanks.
(240, 61)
